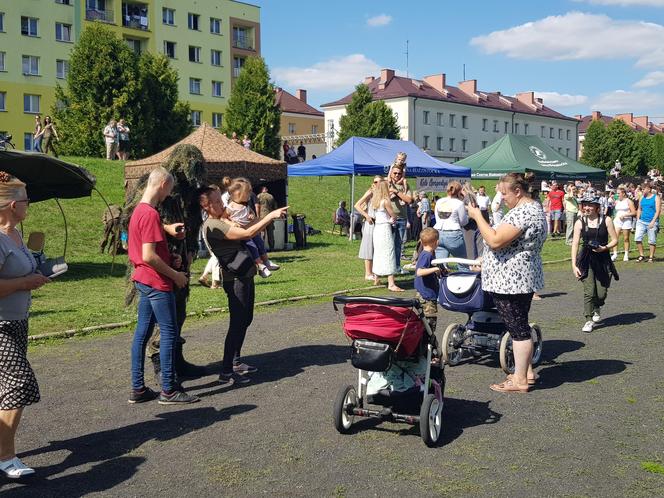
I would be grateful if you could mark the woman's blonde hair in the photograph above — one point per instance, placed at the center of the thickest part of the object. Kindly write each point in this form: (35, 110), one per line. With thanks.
(381, 192)
(10, 188)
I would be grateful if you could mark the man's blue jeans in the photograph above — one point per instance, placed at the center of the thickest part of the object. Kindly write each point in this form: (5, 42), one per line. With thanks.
(154, 306)
(399, 237)
(451, 244)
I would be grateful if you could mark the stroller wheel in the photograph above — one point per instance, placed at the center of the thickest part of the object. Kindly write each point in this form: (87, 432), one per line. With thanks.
(431, 420)
(345, 402)
(506, 354)
(451, 352)
(536, 332)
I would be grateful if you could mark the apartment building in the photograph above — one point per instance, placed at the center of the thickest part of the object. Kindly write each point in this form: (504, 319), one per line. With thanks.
(451, 123)
(300, 122)
(207, 42)
(636, 123)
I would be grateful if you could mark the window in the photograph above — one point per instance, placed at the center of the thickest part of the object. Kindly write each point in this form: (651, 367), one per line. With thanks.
(439, 118)
(567, 151)
(31, 65)
(507, 126)
(2, 61)
(29, 26)
(464, 121)
(3, 101)
(28, 144)
(61, 68)
(314, 129)
(192, 21)
(452, 120)
(196, 118)
(215, 58)
(217, 119)
(2, 21)
(194, 54)
(516, 128)
(525, 129)
(63, 2)
(542, 131)
(464, 145)
(485, 124)
(238, 64)
(439, 143)
(242, 38)
(168, 16)
(291, 128)
(551, 132)
(425, 144)
(62, 32)
(451, 144)
(568, 135)
(495, 126)
(425, 115)
(560, 133)
(31, 103)
(560, 150)
(195, 86)
(169, 49)
(215, 26)
(484, 144)
(216, 89)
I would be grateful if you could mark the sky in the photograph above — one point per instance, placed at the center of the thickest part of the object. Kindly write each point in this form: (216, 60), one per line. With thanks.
(578, 55)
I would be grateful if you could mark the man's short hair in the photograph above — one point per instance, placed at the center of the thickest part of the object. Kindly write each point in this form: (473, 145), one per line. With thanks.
(429, 236)
(159, 175)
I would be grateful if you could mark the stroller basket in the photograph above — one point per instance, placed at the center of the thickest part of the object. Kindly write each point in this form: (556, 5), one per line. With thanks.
(462, 292)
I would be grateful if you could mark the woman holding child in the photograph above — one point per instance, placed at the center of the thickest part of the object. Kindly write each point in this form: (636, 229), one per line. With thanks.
(512, 270)
(363, 206)
(384, 260)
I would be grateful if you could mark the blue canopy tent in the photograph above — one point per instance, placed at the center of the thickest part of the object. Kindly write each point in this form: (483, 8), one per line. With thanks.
(373, 156)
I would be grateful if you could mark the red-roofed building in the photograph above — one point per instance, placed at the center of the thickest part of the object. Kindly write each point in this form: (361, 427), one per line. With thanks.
(638, 123)
(301, 122)
(451, 122)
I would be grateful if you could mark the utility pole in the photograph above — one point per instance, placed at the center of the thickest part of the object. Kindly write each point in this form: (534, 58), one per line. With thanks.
(406, 52)
(464, 72)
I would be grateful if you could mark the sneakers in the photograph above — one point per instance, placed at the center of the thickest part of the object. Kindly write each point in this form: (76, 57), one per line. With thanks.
(176, 398)
(626, 257)
(243, 369)
(146, 394)
(272, 266)
(596, 316)
(614, 256)
(588, 327)
(263, 271)
(233, 378)
(14, 468)
(402, 271)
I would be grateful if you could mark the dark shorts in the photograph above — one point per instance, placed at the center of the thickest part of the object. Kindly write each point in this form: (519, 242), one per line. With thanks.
(124, 146)
(513, 309)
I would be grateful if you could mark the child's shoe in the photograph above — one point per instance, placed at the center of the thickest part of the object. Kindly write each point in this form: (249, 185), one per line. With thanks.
(272, 266)
(263, 271)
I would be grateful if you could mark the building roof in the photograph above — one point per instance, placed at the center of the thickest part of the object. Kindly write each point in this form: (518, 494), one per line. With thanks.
(399, 87)
(290, 103)
(585, 121)
(628, 119)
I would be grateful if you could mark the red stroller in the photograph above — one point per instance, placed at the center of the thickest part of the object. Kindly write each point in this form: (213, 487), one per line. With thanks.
(391, 339)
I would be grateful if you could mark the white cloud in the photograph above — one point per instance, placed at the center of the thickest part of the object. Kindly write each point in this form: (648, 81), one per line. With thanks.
(626, 101)
(338, 73)
(379, 20)
(626, 3)
(555, 99)
(654, 78)
(578, 36)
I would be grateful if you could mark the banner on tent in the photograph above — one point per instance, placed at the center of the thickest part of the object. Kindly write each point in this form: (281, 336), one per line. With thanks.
(434, 183)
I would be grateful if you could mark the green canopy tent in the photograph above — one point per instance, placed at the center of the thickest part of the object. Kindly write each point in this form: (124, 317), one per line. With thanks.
(519, 153)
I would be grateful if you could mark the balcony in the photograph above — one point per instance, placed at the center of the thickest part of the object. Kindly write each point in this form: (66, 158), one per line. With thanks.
(99, 15)
(243, 42)
(236, 72)
(135, 16)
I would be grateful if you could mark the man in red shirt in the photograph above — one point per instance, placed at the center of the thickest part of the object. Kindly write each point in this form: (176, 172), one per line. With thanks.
(154, 276)
(555, 197)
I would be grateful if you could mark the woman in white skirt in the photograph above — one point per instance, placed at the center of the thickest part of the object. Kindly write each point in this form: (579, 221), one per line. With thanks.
(363, 206)
(384, 261)
(623, 221)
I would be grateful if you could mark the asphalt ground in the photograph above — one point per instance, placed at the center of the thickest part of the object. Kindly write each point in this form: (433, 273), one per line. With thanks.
(589, 428)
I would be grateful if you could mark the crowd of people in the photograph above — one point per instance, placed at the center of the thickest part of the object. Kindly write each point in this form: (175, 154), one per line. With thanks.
(295, 155)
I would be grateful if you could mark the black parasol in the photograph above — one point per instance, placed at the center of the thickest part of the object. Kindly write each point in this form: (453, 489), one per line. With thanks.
(47, 177)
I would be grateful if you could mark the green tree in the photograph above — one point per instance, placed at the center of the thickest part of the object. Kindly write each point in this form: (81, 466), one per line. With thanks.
(367, 118)
(657, 152)
(595, 147)
(252, 109)
(621, 145)
(637, 161)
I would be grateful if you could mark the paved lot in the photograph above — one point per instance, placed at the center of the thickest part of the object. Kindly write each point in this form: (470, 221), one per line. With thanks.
(597, 415)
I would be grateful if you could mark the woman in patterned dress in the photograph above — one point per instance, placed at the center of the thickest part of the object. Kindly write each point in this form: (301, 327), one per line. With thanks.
(18, 386)
(512, 270)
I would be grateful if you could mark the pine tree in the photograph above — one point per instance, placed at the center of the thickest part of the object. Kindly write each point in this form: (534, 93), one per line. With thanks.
(367, 118)
(595, 148)
(252, 109)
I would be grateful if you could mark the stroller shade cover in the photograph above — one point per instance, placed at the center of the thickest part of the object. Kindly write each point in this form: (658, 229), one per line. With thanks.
(463, 292)
(384, 324)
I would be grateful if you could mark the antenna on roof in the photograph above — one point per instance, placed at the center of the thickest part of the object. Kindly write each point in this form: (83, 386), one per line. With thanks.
(464, 72)
(406, 52)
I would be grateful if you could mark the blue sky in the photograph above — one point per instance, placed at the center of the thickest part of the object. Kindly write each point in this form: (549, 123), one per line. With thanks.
(581, 55)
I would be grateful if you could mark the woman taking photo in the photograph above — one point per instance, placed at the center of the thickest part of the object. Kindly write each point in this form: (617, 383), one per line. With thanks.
(18, 385)
(512, 270)
(623, 221)
(384, 261)
(225, 240)
(451, 217)
(363, 206)
(593, 264)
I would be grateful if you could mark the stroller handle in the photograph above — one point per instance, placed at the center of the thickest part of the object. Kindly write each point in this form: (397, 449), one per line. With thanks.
(459, 261)
(385, 301)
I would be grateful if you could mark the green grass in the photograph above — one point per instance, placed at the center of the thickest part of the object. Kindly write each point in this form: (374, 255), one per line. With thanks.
(91, 294)
(653, 467)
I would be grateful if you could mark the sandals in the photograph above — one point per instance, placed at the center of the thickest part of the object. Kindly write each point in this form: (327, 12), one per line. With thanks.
(531, 380)
(14, 468)
(508, 386)
(651, 260)
(640, 259)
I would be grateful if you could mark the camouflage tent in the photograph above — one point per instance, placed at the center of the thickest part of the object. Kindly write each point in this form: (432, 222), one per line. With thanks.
(222, 157)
